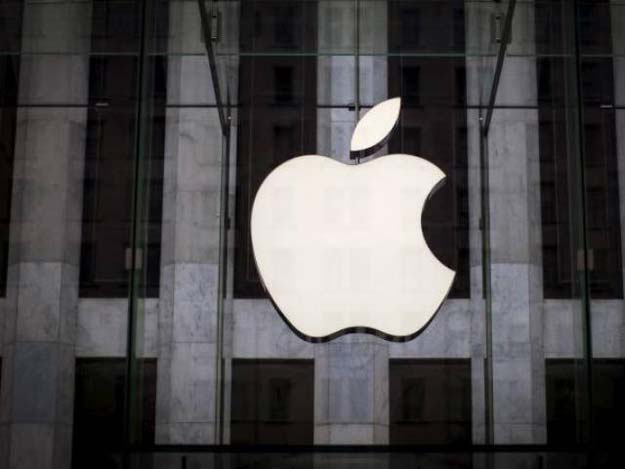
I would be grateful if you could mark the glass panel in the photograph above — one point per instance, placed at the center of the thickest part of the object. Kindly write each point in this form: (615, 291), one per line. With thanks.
(294, 77)
(538, 285)
(134, 136)
(600, 45)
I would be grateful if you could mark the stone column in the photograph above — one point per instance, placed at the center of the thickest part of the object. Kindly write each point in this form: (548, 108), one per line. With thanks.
(351, 373)
(187, 348)
(351, 391)
(516, 253)
(36, 405)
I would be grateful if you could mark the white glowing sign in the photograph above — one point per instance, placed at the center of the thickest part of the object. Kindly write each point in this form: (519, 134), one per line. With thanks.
(340, 247)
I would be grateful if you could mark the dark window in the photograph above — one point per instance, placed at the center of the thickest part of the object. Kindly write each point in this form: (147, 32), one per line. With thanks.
(430, 401)
(597, 85)
(283, 84)
(410, 26)
(558, 273)
(277, 26)
(608, 389)
(461, 86)
(428, 26)
(458, 29)
(548, 29)
(277, 113)
(116, 26)
(564, 400)
(567, 396)
(411, 89)
(110, 158)
(108, 182)
(100, 386)
(272, 402)
(600, 178)
(284, 25)
(10, 34)
(594, 16)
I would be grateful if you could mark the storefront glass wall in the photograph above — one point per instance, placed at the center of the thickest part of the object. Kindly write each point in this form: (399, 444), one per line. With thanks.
(134, 136)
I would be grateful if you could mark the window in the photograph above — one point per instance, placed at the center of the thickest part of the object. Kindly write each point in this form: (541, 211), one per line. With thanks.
(428, 26)
(458, 28)
(107, 197)
(431, 401)
(601, 181)
(566, 391)
(594, 16)
(283, 84)
(272, 402)
(410, 26)
(411, 89)
(110, 157)
(564, 425)
(100, 386)
(284, 25)
(116, 25)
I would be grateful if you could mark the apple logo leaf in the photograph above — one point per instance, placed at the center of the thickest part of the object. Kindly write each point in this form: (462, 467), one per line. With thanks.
(373, 129)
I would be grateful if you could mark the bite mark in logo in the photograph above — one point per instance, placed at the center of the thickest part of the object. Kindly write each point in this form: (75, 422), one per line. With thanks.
(340, 247)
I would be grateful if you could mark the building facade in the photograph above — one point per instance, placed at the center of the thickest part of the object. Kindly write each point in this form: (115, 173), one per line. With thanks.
(135, 329)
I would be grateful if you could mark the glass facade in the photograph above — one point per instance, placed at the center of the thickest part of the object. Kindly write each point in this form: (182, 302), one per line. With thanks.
(135, 330)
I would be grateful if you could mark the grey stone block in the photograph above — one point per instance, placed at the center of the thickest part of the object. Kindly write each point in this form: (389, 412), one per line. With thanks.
(35, 382)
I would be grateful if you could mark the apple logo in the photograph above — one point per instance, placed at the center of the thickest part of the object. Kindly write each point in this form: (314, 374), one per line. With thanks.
(340, 248)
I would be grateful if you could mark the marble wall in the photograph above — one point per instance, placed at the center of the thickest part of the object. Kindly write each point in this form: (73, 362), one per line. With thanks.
(188, 307)
(356, 363)
(516, 247)
(102, 328)
(36, 401)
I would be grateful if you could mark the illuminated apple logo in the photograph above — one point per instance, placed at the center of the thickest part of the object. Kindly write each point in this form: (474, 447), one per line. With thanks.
(340, 248)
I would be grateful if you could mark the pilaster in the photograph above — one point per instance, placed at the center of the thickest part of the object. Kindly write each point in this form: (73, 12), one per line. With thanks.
(187, 345)
(36, 405)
